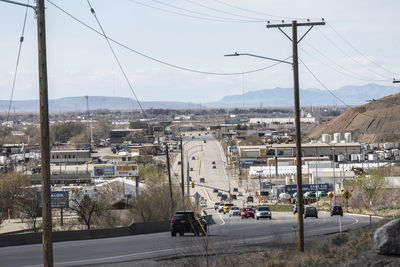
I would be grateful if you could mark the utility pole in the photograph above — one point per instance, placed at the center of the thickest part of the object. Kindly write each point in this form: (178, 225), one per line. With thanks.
(90, 123)
(182, 175)
(169, 177)
(44, 137)
(295, 66)
(396, 81)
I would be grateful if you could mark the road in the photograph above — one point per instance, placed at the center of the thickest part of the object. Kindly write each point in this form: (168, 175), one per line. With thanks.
(230, 233)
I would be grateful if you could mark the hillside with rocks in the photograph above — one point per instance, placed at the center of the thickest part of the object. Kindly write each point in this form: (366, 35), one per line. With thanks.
(376, 121)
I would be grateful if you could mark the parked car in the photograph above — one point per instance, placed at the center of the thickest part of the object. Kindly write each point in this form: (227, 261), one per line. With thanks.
(203, 204)
(214, 167)
(187, 222)
(227, 207)
(234, 197)
(240, 194)
(216, 205)
(235, 189)
(247, 213)
(311, 212)
(205, 141)
(191, 169)
(234, 211)
(336, 210)
(202, 180)
(224, 197)
(190, 178)
(250, 199)
(213, 162)
(219, 194)
(193, 158)
(263, 212)
(215, 190)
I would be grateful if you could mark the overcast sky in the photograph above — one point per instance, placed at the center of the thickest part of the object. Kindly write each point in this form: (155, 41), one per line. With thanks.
(196, 34)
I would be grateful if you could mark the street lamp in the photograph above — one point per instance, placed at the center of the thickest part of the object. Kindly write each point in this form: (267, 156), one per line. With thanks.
(236, 54)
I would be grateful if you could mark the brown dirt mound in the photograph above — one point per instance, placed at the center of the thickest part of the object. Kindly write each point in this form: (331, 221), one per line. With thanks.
(377, 121)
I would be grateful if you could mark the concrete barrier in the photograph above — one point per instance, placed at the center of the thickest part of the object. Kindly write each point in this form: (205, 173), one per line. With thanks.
(15, 239)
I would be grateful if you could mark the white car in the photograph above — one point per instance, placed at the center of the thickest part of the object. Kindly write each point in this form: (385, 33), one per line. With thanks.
(203, 204)
(263, 212)
(221, 207)
(234, 211)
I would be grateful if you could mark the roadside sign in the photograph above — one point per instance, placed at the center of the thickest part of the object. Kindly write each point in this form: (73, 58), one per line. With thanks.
(197, 196)
(331, 195)
(59, 199)
(347, 195)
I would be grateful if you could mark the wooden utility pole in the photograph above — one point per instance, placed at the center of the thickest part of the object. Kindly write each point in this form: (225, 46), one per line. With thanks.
(182, 175)
(44, 137)
(295, 66)
(169, 176)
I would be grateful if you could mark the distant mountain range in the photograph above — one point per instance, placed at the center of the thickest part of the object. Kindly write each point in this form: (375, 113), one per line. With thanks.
(351, 95)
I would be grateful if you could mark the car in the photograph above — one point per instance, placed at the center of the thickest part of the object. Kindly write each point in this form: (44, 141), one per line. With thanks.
(263, 212)
(247, 212)
(205, 141)
(227, 207)
(203, 204)
(191, 169)
(199, 134)
(224, 197)
(240, 194)
(336, 210)
(221, 207)
(216, 205)
(192, 137)
(234, 211)
(250, 199)
(193, 158)
(234, 197)
(213, 162)
(186, 221)
(179, 163)
(202, 180)
(235, 189)
(311, 212)
(219, 194)
(214, 167)
(190, 178)
(215, 190)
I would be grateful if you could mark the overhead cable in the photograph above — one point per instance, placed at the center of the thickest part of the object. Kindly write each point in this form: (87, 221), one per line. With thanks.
(330, 91)
(158, 60)
(117, 60)
(347, 55)
(359, 52)
(21, 40)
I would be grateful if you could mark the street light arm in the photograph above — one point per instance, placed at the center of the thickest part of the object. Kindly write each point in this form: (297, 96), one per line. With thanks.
(19, 4)
(252, 55)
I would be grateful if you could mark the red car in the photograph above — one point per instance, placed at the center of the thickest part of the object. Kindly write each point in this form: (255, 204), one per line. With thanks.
(247, 212)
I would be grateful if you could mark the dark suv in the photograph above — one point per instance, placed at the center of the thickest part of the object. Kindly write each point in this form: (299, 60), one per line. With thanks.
(311, 212)
(185, 222)
(336, 210)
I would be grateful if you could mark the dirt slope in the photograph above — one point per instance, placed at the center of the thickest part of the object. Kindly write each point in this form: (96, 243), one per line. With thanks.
(377, 121)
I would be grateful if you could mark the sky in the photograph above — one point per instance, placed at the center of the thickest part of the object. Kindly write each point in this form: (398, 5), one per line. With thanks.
(358, 45)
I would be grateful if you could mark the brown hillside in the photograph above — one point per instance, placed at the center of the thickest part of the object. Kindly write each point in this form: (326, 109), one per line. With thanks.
(377, 121)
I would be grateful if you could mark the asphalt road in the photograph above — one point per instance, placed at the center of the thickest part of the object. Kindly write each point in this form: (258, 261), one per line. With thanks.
(228, 234)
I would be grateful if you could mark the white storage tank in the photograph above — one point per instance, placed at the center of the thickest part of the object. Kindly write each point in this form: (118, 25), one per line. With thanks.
(340, 158)
(388, 154)
(347, 137)
(395, 152)
(355, 157)
(326, 138)
(388, 146)
(336, 138)
(372, 157)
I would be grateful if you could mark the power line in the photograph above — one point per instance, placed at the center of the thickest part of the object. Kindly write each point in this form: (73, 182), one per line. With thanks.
(224, 20)
(158, 60)
(330, 91)
(203, 14)
(359, 52)
(345, 71)
(118, 62)
(225, 12)
(256, 12)
(21, 40)
(346, 54)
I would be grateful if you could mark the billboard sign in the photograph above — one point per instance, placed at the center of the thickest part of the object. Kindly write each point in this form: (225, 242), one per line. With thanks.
(284, 152)
(292, 188)
(103, 170)
(59, 199)
(126, 170)
(267, 152)
(158, 131)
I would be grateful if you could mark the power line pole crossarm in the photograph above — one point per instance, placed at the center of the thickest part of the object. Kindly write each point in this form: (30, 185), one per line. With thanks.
(296, 87)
